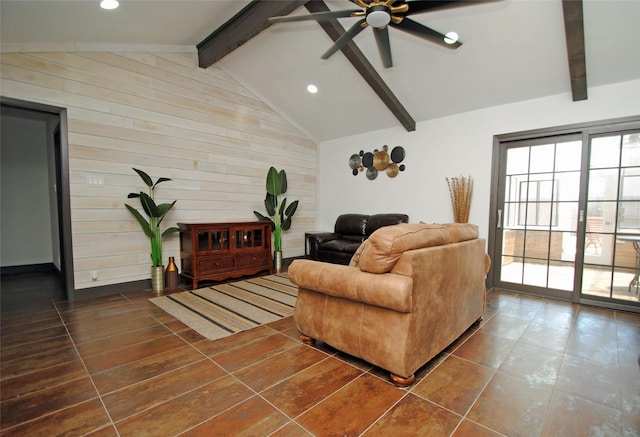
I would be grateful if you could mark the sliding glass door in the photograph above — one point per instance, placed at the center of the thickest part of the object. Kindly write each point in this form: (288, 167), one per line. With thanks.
(566, 215)
(538, 214)
(612, 238)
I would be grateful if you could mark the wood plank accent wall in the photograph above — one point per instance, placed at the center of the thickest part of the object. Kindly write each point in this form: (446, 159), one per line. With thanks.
(161, 113)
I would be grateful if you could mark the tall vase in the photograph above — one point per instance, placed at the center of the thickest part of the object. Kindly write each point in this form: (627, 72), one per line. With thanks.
(277, 258)
(171, 277)
(157, 279)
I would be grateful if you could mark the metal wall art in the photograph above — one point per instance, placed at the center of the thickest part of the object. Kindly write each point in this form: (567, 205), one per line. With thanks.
(377, 161)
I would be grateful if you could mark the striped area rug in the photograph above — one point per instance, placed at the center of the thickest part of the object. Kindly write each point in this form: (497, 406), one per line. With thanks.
(221, 310)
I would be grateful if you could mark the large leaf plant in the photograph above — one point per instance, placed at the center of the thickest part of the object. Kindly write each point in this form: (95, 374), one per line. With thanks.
(155, 213)
(278, 212)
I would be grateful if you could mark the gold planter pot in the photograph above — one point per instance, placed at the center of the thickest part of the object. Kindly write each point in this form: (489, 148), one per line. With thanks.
(277, 259)
(157, 279)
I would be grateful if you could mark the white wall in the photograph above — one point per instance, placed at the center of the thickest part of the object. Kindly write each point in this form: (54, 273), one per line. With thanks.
(459, 145)
(26, 217)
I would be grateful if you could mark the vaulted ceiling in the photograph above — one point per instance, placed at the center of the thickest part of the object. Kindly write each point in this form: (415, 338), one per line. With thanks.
(512, 50)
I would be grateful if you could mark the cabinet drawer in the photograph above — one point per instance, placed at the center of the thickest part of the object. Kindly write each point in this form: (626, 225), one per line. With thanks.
(254, 259)
(213, 265)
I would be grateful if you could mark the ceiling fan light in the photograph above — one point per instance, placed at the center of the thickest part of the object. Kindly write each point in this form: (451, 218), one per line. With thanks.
(451, 37)
(378, 18)
(109, 4)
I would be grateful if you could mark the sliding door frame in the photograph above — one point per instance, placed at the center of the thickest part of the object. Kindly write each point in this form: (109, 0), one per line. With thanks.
(585, 130)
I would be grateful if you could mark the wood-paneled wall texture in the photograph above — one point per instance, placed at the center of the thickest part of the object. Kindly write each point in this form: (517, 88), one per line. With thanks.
(161, 113)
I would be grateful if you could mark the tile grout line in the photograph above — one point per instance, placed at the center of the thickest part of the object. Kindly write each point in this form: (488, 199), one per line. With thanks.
(257, 394)
(495, 370)
(86, 369)
(187, 343)
(210, 359)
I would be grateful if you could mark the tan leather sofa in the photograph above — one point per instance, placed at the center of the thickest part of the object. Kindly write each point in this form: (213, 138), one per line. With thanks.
(409, 292)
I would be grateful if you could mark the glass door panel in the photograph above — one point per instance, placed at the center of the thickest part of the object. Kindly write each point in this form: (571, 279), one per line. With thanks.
(203, 241)
(257, 238)
(249, 238)
(540, 200)
(213, 241)
(244, 238)
(567, 215)
(219, 240)
(612, 236)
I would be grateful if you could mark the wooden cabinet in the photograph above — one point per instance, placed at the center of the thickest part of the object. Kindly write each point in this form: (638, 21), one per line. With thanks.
(217, 251)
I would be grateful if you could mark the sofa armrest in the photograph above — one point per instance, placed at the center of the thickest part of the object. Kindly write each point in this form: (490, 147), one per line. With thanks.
(388, 290)
(317, 238)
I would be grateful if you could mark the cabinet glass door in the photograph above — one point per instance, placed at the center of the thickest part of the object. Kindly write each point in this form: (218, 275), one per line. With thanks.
(220, 240)
(203, 241)
(244, 238)
(257, 238)
(213, 240)
(248, 238)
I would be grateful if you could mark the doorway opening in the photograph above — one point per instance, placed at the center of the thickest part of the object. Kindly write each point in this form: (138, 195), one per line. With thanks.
(36, 212)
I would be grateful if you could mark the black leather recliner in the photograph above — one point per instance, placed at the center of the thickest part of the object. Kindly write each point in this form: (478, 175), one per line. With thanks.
(350, 231)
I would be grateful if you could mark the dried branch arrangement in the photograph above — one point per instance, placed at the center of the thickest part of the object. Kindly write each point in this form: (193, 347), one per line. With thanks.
(460, 190)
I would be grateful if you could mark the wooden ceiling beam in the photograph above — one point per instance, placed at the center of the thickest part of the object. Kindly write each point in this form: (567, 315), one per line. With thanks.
(335, 30)
(574, 35)
(243, 26)
(252, 20)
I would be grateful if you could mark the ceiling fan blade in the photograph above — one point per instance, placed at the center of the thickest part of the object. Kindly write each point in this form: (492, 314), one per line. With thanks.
(384, 47)
(318, 16)
(344, 39)
(424, 32)
(422, 6)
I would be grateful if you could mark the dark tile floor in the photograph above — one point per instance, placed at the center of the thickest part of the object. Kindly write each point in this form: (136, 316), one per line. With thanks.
(119, 366)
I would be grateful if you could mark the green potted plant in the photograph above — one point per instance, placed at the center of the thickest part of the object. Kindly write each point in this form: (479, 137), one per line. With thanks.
(151, 228)
(278, 212)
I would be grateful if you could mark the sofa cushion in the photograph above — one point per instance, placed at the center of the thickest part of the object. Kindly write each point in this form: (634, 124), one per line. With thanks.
(356, 238)
(389, 242)
(355, 259)
(462, 231)
(349, 246)
(377, 221)
(351, 224)
(391, 291)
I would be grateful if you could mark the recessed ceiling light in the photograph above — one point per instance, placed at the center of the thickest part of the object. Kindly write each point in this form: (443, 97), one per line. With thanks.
(312, 88)
(451, 37)
(109, 4)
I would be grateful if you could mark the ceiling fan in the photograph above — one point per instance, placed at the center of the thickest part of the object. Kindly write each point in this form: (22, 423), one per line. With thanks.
(379, 15)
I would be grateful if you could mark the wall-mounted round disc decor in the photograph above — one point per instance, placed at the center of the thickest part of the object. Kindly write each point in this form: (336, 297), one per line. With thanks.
(372, 173)
(355, 161)
(392, 170)
(381, 160)
(367, 159)
(397, 154)
(378, 160)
